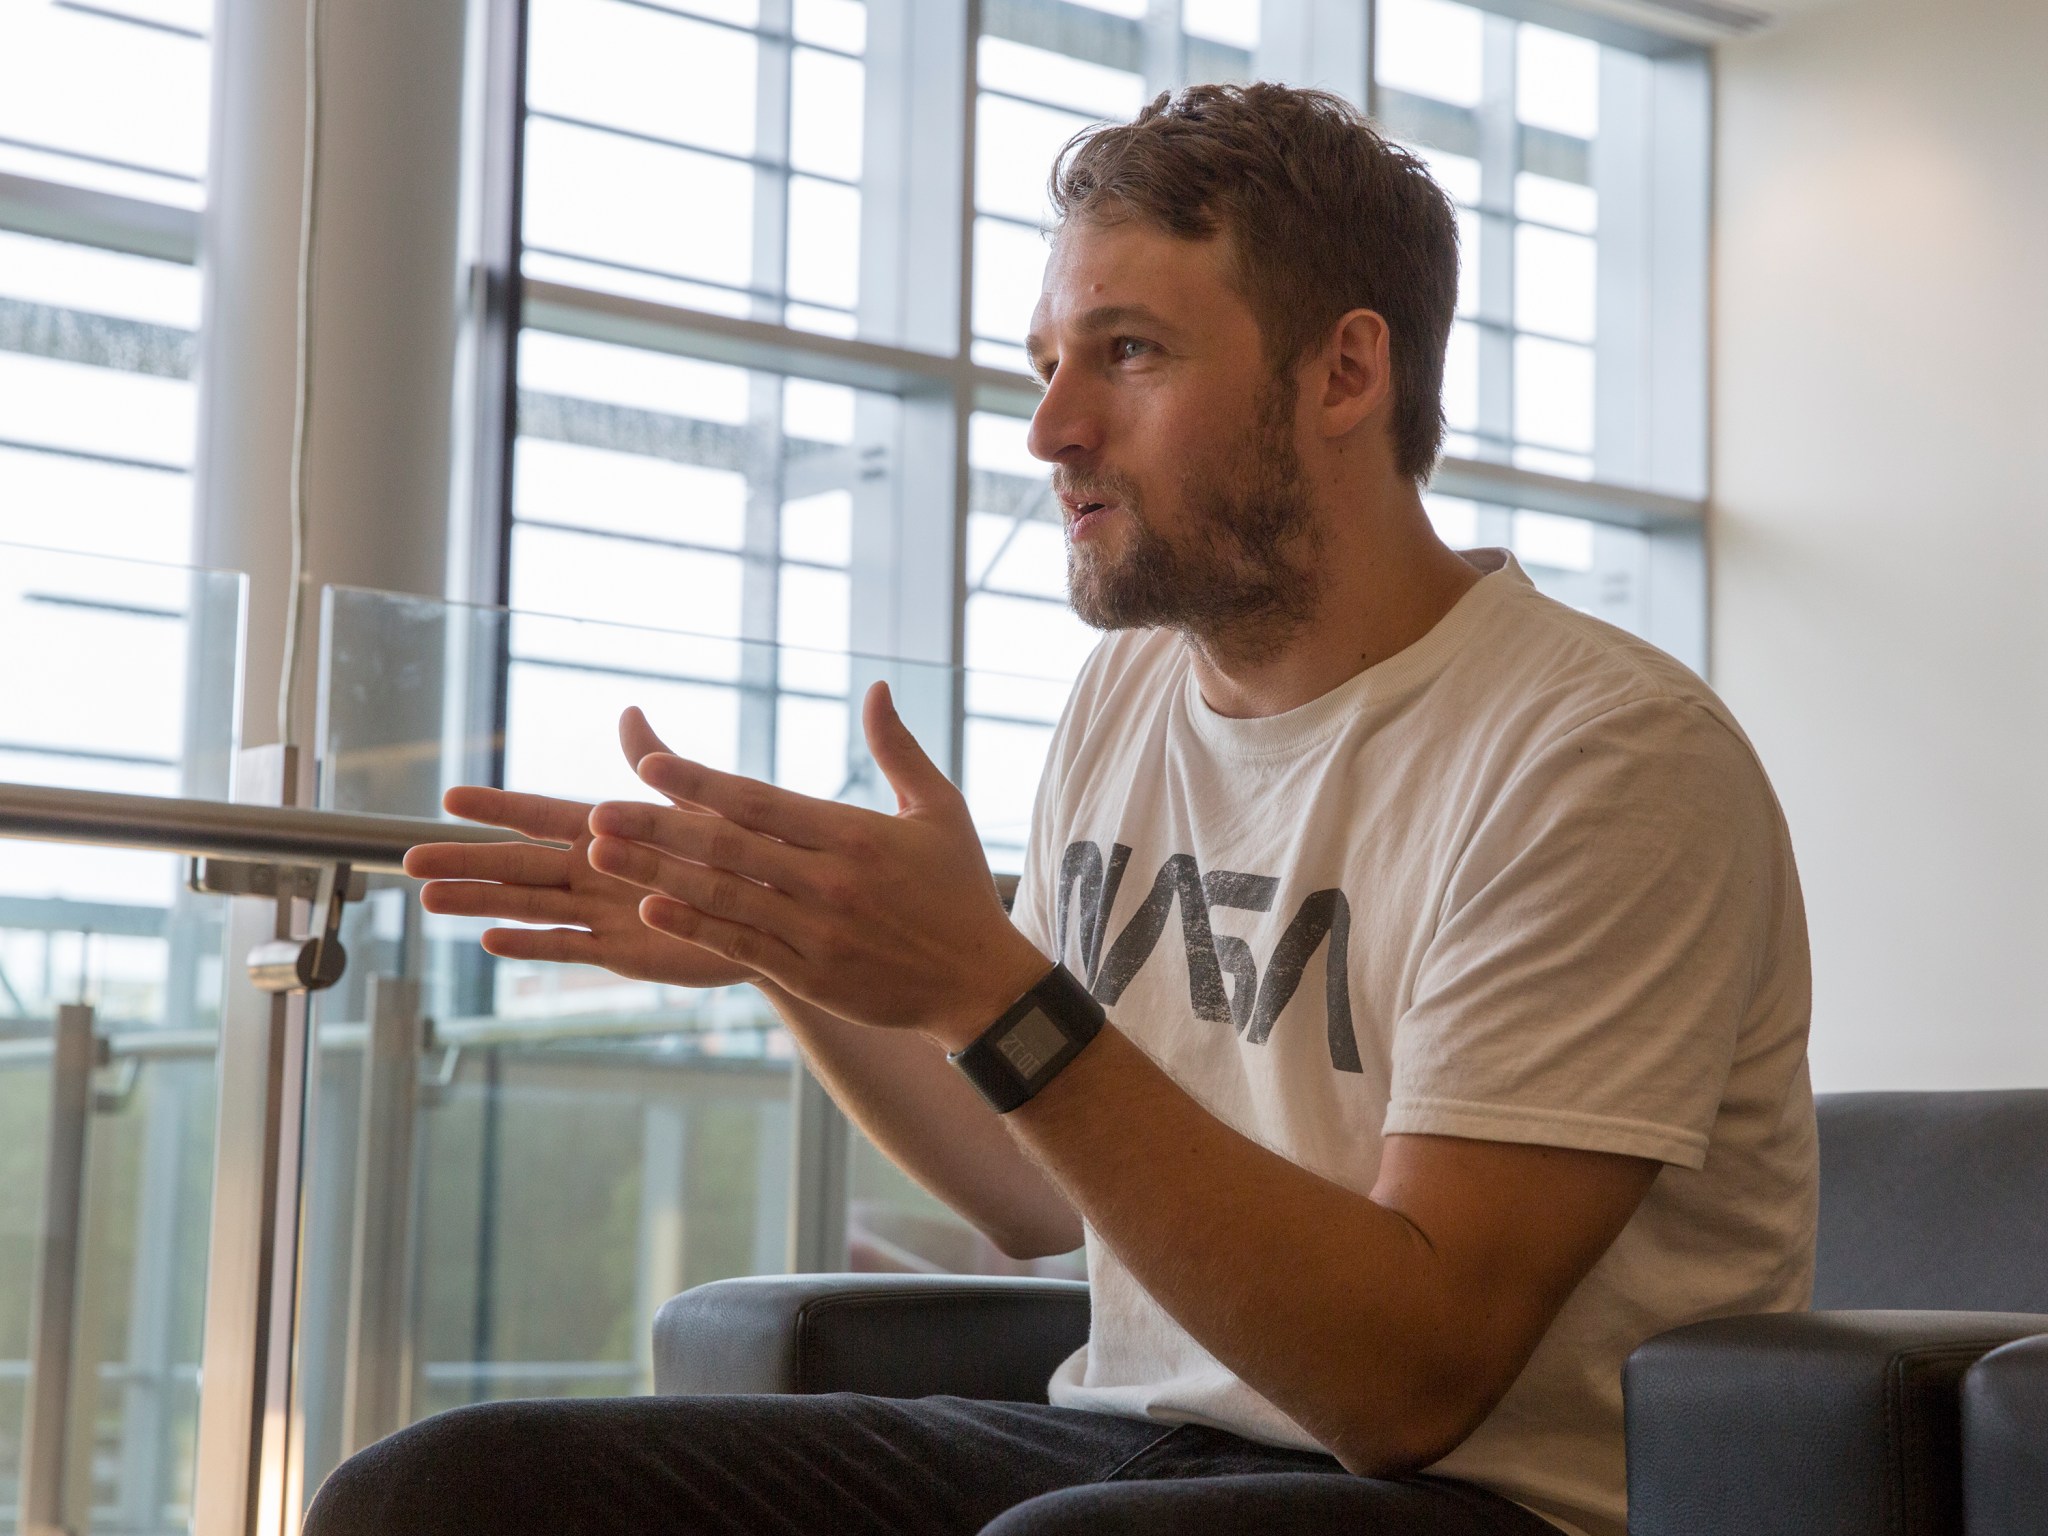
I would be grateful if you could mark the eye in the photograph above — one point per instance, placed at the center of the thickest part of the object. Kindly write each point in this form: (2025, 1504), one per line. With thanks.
(1124, 348)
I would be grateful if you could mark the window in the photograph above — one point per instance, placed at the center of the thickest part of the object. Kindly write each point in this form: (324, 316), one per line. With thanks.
(1016, 607)
(697, 154)
(1507, 115)
(103, 116)
(130, 685)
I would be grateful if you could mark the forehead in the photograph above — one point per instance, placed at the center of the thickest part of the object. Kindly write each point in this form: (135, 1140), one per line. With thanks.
(1094, 266)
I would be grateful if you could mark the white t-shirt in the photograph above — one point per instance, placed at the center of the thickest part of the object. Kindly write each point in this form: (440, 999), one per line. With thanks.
(1525, 881)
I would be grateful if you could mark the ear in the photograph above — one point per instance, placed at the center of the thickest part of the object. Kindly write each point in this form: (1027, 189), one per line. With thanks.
(1358, 373)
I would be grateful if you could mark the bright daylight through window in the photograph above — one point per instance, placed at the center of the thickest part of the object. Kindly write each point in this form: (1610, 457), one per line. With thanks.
(119, 676)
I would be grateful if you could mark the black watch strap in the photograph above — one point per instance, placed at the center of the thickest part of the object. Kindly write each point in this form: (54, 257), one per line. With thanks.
(1028, 1046)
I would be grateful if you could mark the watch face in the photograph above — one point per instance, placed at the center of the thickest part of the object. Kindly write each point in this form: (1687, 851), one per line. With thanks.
(1032, 1042)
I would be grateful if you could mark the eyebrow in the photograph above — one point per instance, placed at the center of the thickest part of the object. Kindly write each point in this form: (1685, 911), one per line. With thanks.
(1105, 317)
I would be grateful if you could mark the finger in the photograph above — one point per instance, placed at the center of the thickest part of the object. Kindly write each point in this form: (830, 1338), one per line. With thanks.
(715, 892)
(520, 903)
(914, 776)
(512, 863)
(571, 945)
(534, 815)
(761, 953)
(759, 807)
(638, 741)
(704, 838)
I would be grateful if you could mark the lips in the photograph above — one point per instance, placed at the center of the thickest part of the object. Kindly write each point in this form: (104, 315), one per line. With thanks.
(1083, 516)
(1083, 512)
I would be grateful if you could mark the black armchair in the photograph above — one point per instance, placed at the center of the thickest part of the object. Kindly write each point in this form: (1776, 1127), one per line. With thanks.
(2005, 1441)
(1848, 1421)
(889, 1335)
(1878, 1416)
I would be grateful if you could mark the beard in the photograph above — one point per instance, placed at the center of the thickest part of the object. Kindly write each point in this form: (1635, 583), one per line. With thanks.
(1240, 574)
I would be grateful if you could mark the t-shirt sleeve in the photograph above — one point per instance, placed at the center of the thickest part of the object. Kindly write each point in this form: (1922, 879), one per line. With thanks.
(1600, 943)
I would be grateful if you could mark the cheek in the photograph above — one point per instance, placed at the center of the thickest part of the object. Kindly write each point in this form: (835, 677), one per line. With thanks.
(1160, 442)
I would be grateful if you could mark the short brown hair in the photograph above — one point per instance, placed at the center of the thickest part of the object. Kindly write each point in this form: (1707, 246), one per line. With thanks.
(1323, 214)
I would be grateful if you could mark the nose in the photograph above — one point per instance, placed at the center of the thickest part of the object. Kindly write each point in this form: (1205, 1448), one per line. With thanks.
(1068, 422)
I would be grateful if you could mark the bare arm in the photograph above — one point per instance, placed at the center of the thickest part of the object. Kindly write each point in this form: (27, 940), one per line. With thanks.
(1386, 1326)
(900, 1089)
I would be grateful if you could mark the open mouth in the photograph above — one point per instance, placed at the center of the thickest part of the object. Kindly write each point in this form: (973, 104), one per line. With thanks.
(1086, 515)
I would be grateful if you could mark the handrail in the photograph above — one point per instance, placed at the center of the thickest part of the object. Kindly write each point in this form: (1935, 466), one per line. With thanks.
(119, 1045)
(216, 829)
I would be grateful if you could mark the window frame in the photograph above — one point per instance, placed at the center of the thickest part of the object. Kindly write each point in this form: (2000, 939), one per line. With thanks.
(1652, 170)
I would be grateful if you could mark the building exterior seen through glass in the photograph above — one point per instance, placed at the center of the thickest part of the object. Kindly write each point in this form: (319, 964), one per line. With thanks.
(109, 661)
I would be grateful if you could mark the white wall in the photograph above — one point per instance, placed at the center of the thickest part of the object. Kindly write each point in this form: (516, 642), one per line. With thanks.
(1880, 522)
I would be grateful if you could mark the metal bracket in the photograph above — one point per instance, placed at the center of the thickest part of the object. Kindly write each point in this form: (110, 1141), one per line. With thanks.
(308, 964)
(112, 1098)
(239, 877)
(438, 1083)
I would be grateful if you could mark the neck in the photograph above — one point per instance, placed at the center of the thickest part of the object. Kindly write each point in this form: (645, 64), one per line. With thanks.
(1386, 582)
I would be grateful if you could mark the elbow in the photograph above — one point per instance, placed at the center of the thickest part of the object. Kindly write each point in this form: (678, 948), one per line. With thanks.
(1026, 1243)
(1404, 1434)
(1022, 1249)
(1387, 1453)
(1023, 1231)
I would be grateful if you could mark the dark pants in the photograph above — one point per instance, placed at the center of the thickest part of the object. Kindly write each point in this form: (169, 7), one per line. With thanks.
(845, 1465)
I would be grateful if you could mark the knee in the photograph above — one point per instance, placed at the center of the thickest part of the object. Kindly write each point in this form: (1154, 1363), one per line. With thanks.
(424, 1480)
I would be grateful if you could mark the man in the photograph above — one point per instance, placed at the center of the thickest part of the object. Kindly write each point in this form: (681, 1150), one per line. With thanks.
(1450, 942)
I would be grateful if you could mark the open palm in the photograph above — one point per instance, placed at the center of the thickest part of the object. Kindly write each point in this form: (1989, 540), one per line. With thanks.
(592, 918)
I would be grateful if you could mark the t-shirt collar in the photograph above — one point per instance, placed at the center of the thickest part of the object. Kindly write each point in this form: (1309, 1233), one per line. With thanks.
(1379, 687)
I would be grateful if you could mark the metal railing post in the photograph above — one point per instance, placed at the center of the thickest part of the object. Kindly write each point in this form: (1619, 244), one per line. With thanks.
(245, 1406)
(377, 1366)
(818, 1177)
(53, 1333)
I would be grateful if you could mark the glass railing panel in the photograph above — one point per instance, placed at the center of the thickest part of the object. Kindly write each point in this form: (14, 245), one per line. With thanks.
(585, 1145)
(114, 675)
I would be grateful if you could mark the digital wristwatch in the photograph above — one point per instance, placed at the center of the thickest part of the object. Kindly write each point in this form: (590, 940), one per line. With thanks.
(1033, 1041)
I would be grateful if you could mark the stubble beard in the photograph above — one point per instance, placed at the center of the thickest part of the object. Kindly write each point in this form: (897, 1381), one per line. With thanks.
(1240, 577)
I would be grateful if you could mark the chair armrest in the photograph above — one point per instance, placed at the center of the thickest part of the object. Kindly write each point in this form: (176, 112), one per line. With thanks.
(887, 1335)
(2005, 1440)
(1805, 1423)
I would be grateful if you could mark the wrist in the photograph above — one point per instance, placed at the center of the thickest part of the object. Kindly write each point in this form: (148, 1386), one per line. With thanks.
(1018, 969)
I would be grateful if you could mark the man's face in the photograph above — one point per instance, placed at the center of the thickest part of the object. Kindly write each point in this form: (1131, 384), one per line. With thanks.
(1174, 450)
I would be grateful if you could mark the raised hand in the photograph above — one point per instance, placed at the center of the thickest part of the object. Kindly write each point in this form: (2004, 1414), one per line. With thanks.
(596, 916)
(890, 920)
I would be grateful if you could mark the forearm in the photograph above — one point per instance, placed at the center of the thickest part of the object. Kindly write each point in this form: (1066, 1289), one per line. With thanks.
(898, 1087)
(1327, 1303)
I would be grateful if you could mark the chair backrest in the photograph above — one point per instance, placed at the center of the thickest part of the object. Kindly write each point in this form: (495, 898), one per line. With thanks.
(1934, 1201)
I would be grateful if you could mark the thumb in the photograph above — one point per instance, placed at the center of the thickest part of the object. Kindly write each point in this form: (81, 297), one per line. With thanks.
(638, 741)
(915, 777)
(636, 736)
